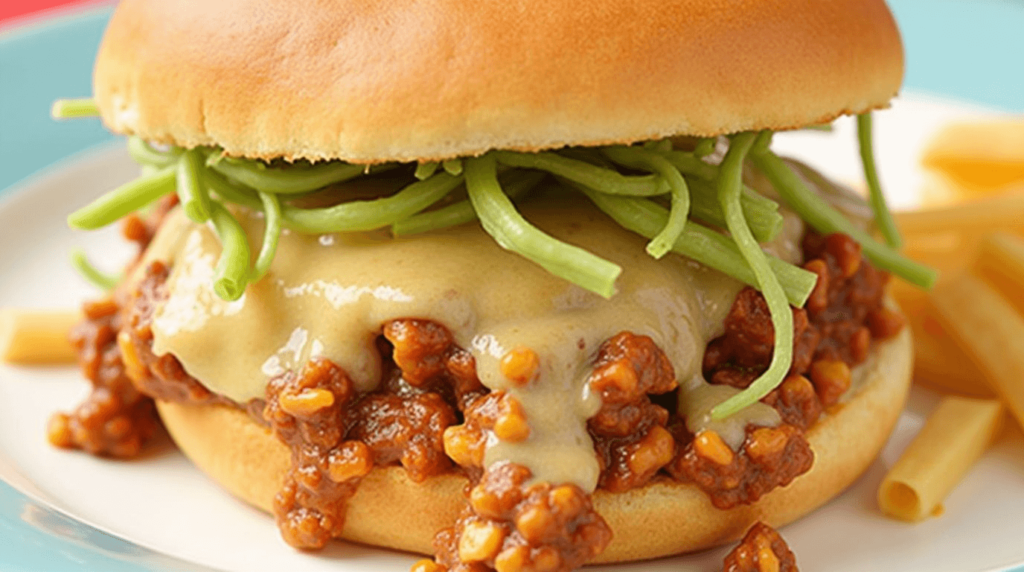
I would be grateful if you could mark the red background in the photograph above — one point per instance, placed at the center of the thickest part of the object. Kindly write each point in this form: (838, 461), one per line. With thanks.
(10, 9)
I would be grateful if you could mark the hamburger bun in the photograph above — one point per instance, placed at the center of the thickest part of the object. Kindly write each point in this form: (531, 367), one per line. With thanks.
(370, 82)
(662, 518)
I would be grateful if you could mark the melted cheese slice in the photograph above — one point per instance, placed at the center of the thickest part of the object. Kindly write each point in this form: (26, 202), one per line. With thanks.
(329, 296)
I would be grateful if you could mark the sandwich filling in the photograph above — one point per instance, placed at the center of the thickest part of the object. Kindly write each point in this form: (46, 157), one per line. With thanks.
(358, 350)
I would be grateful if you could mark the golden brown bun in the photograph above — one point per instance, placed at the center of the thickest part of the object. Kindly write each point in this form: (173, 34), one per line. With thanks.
(401, 81)
(659, 519)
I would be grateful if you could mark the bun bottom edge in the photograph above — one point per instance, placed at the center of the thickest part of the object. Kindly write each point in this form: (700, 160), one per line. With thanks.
(660, 519)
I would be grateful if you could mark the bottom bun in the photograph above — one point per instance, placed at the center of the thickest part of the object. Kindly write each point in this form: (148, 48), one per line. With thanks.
(659, 519)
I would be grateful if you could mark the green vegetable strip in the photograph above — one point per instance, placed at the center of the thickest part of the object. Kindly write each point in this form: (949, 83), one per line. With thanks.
(883, 218)
(285, 180)
(501, 220)
(764, 222)
(368, 215)
(74, 108)
(592, 176)
(191, 191)
(518, 183)
(231, 274)
(97, 277)
(825, 219)
(453, 167)
(705, 147)
(145, 155)
(126, 199)
(637, 158)
(729, 188)
(271, 235)
(426, 170)
(224, 189)
(689, 164)
(702, 244)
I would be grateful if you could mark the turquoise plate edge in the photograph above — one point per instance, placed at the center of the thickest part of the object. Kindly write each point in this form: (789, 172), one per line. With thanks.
(961, 50)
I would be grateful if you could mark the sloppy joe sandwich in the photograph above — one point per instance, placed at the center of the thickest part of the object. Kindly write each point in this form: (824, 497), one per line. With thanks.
(521, 286)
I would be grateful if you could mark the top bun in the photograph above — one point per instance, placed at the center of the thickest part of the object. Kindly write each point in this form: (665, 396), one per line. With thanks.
(396, 80)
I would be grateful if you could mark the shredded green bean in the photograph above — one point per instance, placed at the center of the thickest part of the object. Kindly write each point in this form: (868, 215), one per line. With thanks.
(143, 154)
(824, 218)
(368, 215)
(291, 180)
(765, 222)
(228, 191)
(74, 108)
(705, 147)
(883, 218)
(701, 244)
(690, 164)
(729, 189)
(191, 192)
(426, 170)
(231, 275)
(124, 200)
(516, 185)
(271, 235)
(510, 230)
(588, 175)
(639, 158)
(453, 167)
(97, 277)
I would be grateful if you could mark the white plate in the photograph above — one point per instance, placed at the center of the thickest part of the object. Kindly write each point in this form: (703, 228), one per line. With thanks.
(160, 501)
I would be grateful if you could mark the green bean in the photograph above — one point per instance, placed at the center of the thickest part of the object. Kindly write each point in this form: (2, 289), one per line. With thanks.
(453, 167)
(290, 180)
(516, 185)
(425, 170)
(705, 147)
(74, 108)
(98, 278)
(191, 192)
(886, 225)
(592, 176)
(638, 158)
(368, 215)
(126, 199)
(271, 235)
(143, 154)
(730, 183)
(228, 191)
(658, 145)
(689, 164)
(231, 275)
(825, 219)
(512, 232)
(765, 222)
(710, 248)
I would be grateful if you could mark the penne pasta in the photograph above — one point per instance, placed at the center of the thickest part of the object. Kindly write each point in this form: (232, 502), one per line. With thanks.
(989, 329)
(36, 336)
(955, 436)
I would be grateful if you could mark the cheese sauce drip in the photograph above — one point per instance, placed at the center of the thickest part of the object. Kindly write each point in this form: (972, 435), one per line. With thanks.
(328, 296)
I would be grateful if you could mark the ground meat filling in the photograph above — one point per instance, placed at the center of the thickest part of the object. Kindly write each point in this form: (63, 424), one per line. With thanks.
(431, 415)
(844, 314)
(115, 419)
(337, 435)
(761, 550)
(629, 432)
(511, 526)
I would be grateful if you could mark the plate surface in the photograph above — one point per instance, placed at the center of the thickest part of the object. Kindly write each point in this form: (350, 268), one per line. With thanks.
(158, 513)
